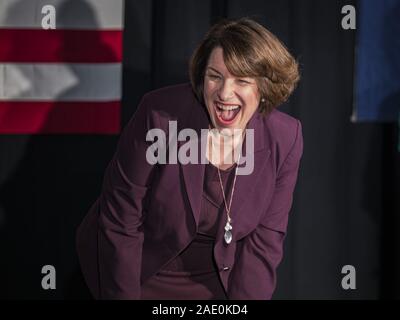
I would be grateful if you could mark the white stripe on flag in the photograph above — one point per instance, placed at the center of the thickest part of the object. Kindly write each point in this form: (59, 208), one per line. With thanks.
(60, 82)
(88, 14)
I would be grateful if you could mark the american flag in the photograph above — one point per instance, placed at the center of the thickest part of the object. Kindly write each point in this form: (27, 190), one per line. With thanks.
(62, 80)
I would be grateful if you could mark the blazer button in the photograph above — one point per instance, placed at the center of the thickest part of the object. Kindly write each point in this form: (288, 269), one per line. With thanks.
(225, 268)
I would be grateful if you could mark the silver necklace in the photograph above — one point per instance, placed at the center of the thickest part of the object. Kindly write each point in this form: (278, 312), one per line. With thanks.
(228, 225)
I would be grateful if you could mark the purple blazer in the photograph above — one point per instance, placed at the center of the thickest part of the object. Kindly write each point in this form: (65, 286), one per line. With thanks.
(147, 214)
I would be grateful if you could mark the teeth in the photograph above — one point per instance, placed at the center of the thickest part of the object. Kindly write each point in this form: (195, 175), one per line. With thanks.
(227, 108)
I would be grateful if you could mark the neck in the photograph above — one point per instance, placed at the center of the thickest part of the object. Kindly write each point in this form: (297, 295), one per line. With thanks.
(224, 150)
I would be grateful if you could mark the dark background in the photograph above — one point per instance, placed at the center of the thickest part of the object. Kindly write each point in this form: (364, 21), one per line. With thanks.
(345, 210)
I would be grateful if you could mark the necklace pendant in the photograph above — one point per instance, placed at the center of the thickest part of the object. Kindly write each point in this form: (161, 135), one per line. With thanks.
(228, 233)
(228, 236)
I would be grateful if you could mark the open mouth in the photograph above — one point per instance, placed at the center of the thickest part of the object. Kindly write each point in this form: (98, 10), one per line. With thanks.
(226, 114)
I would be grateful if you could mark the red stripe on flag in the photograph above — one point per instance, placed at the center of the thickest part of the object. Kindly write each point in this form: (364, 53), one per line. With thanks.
(59, 117)
(28, 45)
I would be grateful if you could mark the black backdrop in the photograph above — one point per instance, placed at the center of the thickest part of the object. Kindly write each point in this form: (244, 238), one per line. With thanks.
(344, 208)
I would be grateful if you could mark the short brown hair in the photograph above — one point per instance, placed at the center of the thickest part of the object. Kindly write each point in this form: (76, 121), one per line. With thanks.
(250, 50)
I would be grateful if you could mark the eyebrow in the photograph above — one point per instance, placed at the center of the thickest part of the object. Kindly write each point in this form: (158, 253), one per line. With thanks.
(214, 70)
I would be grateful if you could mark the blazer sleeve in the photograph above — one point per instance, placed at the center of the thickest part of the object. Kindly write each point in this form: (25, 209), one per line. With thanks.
(119, 215)
(260, 253)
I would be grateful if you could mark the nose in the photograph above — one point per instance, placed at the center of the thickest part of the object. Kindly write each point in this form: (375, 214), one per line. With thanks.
(226, 91)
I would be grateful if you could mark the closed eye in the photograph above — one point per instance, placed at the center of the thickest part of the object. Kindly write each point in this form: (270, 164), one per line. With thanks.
(242, 81)
(213, 76)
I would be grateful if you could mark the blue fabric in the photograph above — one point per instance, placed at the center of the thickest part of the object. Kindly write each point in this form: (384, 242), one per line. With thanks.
(377, 81)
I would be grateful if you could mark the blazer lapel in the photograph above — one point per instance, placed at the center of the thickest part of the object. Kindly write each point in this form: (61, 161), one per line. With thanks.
(193, 174)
